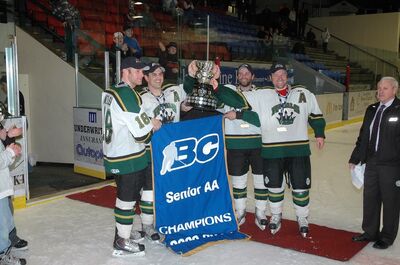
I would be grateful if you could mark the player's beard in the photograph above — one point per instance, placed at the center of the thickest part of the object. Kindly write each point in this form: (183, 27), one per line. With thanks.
(245, 82)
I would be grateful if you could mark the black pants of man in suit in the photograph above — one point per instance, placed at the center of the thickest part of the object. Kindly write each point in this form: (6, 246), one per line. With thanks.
(381, 189)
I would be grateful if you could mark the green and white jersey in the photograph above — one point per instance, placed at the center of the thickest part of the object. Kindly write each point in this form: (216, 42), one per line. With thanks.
(126, 128)
(167, 106)
(240, 133)
(284, 121)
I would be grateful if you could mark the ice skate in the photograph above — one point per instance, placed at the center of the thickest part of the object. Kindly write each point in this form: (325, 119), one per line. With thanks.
(151, 234)
(20, 244)
(260, 220)
(10, 259)
(137, 236)
(275, 223)
(241, 217)
(303, 226)
(127, 248)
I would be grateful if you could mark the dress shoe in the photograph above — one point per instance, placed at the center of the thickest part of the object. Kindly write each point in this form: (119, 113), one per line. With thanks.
(362, 238)
(380, 244)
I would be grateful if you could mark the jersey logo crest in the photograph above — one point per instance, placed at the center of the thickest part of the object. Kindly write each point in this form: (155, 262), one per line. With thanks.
(285, 114)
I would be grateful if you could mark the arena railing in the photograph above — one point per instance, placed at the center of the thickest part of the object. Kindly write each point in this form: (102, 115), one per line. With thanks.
(376, 66)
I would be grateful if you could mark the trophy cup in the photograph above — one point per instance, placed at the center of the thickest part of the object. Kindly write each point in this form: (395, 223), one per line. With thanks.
(202, 97)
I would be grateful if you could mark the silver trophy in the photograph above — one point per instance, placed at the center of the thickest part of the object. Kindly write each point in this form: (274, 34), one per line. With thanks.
(202, 97)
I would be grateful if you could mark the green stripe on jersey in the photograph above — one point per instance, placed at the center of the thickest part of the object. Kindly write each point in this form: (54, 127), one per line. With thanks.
(285, 151)
(129, 98)
(239, 142)
(127, 166)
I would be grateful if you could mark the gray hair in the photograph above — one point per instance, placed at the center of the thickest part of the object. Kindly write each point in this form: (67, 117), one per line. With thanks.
(392, 80)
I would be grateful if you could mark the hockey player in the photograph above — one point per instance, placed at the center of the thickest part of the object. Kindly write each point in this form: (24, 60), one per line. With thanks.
(126, 128)
(163, 103)
(243, 144)
(284, 113)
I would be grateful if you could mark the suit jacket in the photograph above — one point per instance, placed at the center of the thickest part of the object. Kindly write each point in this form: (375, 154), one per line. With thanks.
(388, 152)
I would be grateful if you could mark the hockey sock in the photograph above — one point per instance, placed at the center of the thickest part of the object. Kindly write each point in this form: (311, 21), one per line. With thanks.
(276, 196)
(124, 214)
(146, 207)
(301, 201)
(260, 194)
(239, 184)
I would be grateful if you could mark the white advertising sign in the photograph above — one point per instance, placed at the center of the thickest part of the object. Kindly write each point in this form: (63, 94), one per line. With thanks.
(88, 138)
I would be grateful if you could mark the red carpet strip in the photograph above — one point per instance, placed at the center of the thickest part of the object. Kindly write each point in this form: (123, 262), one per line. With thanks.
(322, 241)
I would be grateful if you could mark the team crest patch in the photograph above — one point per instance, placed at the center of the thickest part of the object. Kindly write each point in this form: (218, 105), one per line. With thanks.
(165, 112)
(286, 114)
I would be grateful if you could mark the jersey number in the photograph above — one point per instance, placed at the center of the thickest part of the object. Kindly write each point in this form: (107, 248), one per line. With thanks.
(108, 124)
(142, 120)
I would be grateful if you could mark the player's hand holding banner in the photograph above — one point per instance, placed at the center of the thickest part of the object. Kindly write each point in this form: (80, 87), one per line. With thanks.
(193, 203)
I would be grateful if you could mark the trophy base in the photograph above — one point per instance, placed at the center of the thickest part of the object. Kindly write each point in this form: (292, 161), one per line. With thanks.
(197, 114)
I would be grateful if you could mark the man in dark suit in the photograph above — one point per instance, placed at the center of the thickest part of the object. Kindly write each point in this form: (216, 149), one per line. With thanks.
(378, 145)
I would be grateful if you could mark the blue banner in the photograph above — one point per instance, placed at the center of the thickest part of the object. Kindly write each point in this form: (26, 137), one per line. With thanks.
(193, 202)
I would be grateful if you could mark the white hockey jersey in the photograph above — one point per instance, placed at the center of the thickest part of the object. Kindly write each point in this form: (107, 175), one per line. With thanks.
(241, 134)
(126, 128)
(284, 126)
(166, 107)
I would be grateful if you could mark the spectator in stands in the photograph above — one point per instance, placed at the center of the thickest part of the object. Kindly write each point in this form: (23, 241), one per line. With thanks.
(292, 22)
(169, 6)
(168, 58)
(299, 48)
(270, 34)
(132, 43)
(118, 45)
(147, 20)
(186, 7)
(242, 7)
(70, 16)
(262, 34)
(325, 36)
(284, 13)
(129, 21)
(284, 28)
(251, 12)
(276, 33)
(311, 39)
(264, 17)
(303, 19)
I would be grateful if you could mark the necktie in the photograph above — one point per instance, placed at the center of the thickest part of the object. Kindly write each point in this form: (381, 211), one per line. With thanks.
(375, 128)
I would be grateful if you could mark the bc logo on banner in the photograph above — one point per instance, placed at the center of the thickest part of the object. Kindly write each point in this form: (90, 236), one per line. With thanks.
(193, 203)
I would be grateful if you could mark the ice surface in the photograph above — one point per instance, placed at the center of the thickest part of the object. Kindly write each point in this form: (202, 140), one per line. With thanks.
(64, 231)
